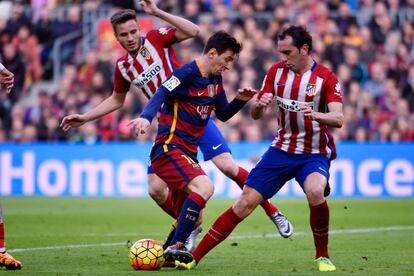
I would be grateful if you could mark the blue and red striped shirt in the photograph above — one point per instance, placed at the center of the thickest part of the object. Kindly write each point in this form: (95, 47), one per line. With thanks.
(188, 100)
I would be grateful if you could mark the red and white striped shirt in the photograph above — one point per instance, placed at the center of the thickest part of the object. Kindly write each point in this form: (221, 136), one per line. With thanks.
(317, 87)
(153, 64)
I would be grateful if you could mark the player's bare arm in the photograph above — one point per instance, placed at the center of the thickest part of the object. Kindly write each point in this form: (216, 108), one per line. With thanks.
(333, 118)
(6, 79)
(185, 29)
(260, 104)
(114, 102)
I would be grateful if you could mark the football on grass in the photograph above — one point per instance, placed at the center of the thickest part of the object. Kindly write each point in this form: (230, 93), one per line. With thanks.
(146, 254)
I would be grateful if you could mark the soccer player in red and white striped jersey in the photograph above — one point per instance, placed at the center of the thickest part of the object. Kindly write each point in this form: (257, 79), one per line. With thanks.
(309, 101)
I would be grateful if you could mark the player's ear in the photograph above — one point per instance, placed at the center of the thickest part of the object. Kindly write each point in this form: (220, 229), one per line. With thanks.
(304, 50)
(212, 53)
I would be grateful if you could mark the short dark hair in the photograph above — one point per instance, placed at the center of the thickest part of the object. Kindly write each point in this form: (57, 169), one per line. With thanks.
(222, 41)
(299, 35)
(122, 16)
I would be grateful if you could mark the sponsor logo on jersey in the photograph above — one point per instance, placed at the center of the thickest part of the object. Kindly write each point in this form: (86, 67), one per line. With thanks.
(147, 75)
(203, 110)
(171, 83)
(291, 105)
(311, 89)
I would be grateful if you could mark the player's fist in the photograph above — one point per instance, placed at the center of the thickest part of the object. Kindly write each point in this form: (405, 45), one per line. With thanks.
(139, 125)
(149, 6)
(74, 120)
(264, 100)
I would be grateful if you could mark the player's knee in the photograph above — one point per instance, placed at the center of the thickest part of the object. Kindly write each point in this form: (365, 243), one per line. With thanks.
(315, 195)
(157, 191)
(226, 165)
(206, 191)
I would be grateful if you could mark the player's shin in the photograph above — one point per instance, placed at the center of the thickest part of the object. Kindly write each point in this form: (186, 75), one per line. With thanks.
(319, 221)
(189, 215)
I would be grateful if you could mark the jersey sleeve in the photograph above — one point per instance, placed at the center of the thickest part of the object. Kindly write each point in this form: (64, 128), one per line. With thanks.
(333, 89)
(121, 85)
(163, 37)
(268, 82)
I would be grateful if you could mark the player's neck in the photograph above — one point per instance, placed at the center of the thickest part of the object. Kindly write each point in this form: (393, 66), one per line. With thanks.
(203, 65)
(310, 62)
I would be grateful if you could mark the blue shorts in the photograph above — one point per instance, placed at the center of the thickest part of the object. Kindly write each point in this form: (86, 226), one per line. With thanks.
(276, 167)
(211, 143)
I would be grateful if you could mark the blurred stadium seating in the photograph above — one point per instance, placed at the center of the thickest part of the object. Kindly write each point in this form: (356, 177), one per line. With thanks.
(62, 54)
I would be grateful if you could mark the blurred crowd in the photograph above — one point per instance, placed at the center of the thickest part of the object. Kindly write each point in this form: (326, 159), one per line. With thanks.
(369, 44)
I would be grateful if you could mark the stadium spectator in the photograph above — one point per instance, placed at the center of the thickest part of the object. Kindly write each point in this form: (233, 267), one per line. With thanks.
(340, 42)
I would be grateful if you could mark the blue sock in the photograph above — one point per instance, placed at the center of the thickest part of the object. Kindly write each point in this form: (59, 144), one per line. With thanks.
(190, 211)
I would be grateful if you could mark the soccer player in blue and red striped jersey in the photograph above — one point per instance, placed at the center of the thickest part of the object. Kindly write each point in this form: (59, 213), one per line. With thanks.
(149, 62)
(188, 98)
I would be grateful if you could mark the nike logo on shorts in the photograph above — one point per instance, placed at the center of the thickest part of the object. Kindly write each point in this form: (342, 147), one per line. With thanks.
(216, 147)
(323, 170)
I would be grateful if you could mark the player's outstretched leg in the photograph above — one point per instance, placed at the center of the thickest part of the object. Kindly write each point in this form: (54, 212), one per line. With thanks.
(239, 175)
(9, 262)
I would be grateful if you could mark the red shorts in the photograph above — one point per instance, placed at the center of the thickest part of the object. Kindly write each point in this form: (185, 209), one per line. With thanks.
(176, 168)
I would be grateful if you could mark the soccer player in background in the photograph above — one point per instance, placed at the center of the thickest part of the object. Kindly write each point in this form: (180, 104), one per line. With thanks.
(149, 62)
(188, 98)
(309, 101)
(6, 260)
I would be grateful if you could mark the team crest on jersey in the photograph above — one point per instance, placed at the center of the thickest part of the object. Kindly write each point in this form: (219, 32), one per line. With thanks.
(145, 53)
(210, 89)
(171, 83)
(311, 89)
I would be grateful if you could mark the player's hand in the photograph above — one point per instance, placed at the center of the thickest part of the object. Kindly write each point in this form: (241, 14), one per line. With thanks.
(308, 111)
(6, 80)
(74, 120)
(264, 100)
(139, 125)
(245, 94)
(149, 6)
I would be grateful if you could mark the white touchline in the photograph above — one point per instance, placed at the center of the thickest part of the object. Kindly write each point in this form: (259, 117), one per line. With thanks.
(239, 237)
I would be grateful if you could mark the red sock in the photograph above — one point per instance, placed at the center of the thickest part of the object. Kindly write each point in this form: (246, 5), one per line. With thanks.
(2, 243)
(269, 208)
(168, 205)
(240, 179)
(319, 221)
(220, 230)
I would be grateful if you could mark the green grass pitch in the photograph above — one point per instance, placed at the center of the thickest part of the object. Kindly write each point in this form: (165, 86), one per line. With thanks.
(87, 236)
